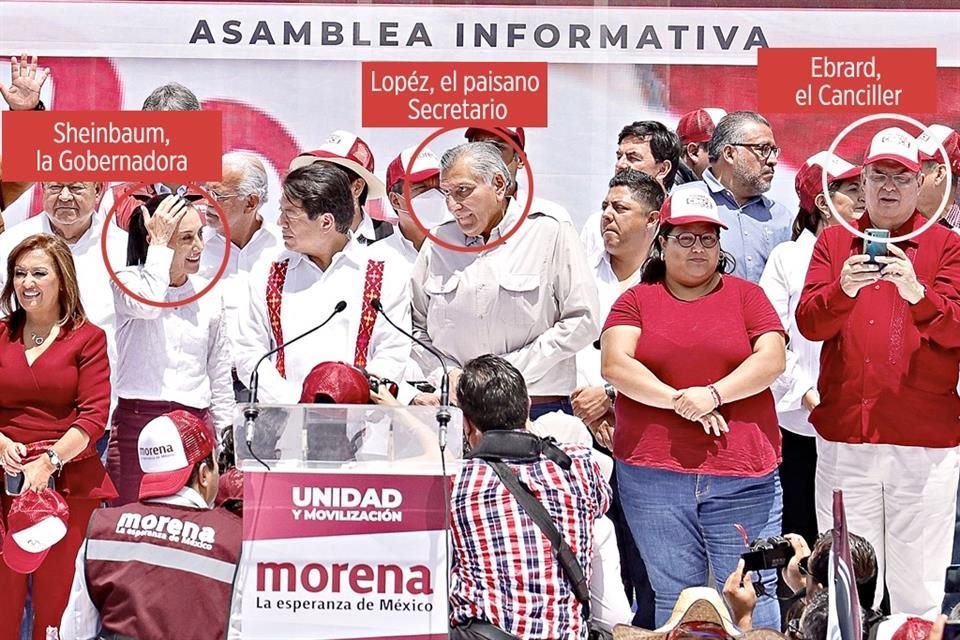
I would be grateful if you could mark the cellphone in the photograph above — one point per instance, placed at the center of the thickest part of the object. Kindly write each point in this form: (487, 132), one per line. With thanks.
(874, 248)
(13, 485)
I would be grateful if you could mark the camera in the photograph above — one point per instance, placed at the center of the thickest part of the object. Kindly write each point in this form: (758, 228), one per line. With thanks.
(375, 383)
(768, 553)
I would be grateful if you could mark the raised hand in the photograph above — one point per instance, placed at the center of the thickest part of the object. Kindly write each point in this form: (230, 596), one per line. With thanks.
(26, 80)
(163, 223)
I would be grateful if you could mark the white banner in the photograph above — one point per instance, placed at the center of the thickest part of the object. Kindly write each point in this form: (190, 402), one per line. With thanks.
(417, 32)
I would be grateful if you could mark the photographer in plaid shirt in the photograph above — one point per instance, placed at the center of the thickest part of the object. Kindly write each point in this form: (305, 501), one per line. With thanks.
(506, 581)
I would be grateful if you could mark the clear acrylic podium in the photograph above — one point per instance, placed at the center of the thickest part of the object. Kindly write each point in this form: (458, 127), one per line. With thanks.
(345, 534)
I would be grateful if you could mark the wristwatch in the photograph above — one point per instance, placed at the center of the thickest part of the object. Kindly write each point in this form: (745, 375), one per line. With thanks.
(55, 459)
(40, 106)
(611, 392)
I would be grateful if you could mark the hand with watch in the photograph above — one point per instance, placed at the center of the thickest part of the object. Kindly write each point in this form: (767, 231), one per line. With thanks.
(39, 472)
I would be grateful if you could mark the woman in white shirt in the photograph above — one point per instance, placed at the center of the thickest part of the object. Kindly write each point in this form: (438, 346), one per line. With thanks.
(170, 356)
(782, 280)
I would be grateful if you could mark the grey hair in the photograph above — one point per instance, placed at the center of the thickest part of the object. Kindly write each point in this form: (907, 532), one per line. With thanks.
(254, 179)
(484, 157)
(172, 96)
(729, 130)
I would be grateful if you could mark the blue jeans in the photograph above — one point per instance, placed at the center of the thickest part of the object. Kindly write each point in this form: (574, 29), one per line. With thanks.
(683, 525)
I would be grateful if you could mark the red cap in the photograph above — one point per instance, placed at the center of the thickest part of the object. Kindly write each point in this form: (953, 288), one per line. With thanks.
(427, 165)
(230, 486)
(336, 383)
(169, 447)
(913, 629)
(809, 180)
(36, 522)
(894, 144)
(515, 134)
(929, 142)
(346, 150)
(698, 125)
(689, 203)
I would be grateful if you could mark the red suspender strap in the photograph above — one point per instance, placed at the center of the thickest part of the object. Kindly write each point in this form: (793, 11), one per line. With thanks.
(371, 292)
(278, 275)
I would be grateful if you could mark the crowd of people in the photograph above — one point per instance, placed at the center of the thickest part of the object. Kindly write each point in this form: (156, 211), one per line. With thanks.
(737, 361)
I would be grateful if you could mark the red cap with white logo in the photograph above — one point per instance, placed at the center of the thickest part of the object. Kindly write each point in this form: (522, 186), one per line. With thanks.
(349, 151)
(36, 522)
(894, 144)
(698, 125)
(809, 180)
(689, 203)
(169, 447)
(425, 166)
(516, 134)
(929, 142)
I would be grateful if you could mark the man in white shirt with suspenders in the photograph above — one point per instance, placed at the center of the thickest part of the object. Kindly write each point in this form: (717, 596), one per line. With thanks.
(323, 264)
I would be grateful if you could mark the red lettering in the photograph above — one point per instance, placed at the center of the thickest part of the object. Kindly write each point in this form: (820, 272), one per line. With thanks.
(397, 572)
(308, 583)
(361, 572)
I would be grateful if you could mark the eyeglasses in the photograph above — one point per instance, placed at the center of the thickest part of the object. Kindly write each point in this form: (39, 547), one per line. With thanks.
(763, 150)
(460, 193)
(56, 188)
(698, 631)
(899, 180)
(219, 197)
(687, 239)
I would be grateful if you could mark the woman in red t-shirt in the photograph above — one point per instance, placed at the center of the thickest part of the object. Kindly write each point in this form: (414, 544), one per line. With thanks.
(54, 399)
(692, 352)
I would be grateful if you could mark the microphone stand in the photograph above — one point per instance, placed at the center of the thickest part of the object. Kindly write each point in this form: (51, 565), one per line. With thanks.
(252, 410)
(443, 411)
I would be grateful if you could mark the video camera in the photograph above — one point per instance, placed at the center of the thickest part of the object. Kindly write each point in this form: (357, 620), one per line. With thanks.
(768, 553)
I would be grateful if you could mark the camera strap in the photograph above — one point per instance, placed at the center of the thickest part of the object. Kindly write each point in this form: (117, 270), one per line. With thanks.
(538, 513)
(517, 446)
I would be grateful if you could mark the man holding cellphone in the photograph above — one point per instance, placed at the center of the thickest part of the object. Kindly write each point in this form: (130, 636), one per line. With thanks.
(889, 422)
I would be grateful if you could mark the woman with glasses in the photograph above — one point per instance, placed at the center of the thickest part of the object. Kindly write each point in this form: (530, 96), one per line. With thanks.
(692, 352)
(782, 281)
(172, 345)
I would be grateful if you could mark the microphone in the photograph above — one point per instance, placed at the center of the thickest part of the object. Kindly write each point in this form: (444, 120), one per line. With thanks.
(443, 413)
(252, 411)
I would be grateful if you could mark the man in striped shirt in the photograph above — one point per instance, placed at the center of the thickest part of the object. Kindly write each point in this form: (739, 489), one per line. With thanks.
(505, 573)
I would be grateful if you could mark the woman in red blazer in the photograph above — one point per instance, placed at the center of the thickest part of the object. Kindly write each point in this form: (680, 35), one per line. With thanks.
(54, 400)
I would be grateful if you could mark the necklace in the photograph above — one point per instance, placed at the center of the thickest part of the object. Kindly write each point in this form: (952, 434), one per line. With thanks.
(38, 339)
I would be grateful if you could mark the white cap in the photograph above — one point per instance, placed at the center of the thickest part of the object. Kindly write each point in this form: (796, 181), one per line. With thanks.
(894, 144)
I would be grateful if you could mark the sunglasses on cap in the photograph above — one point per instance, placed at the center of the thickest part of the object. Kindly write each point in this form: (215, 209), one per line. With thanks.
(698, 631)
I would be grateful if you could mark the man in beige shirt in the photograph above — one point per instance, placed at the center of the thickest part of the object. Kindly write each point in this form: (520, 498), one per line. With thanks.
(527, 295)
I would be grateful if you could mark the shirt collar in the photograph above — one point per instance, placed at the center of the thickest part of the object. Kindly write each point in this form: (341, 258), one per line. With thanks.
(366, 230)
(806, 238)
(186, 497)
(913, 223)
(353, 252)
(514, 210)
(715, 186)
(90, 235)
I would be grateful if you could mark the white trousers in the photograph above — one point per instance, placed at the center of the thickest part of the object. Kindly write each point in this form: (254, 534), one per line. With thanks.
(904, 501)
(608, 600)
